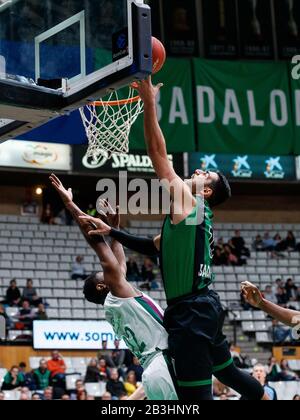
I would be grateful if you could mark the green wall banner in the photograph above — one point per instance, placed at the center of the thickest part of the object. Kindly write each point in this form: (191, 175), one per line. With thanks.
(270, 168)
(174, 107)
(244, 107)
(294, 71)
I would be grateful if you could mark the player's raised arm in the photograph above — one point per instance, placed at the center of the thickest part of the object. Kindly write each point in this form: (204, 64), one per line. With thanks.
(113, 218)
(157, 151)
(113, 275)
(254, 296)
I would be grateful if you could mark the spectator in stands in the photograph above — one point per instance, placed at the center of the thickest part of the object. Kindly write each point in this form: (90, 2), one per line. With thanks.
(279, 333)
(291, 290)
(91, 211)
(78, 386)
(82, 394)
(103, 369)
(269, 294)
(48, 394)
(47, 215)
(30, 294)
(268, 243)
(42, 375)
(231, 258)
(13, 379)
(223, 397)
(28, 376)
(106, 396)
(282, 297)
(130, 384)
(5, 316)
(36, 397)
(220, 257)
(258, 244)
(41, 314)
(78, 269)
(57, 367)
(290, 242)
(26, 315)
(114, 385)
(13, 294)
(65, 397)
(278, 283)
(240, 246)
(137, 368)
(260, 374)
(296, 397)
(24, 396)
(286, 373)
(90, 398)
(133, 272)
(273, 370)
(2, 396)
(118, 356)
(93, 372)
(279, 243)
(148, 275)
(107, 355)
(220, 244)
(239, 360)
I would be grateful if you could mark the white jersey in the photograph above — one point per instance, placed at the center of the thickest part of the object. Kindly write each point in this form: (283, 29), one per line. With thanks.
(139, 322)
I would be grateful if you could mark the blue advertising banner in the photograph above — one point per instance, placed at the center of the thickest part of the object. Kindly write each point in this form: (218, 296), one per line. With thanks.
(278, 168)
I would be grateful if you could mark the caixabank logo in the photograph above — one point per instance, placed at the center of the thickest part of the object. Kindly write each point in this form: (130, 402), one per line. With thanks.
(208, 163)
(274, 169)
(241, 167)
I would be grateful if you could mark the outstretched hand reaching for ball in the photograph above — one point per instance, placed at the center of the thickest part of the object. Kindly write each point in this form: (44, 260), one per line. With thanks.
(147, 91)
(66, 195)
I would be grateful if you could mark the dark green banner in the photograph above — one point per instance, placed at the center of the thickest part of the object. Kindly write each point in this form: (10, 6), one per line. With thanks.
(175, 108)
(269, 168)
(244, 107)
(294, 73)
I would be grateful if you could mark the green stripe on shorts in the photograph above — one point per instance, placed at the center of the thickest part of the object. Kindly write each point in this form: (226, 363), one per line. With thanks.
(223, 366)
(191, 384)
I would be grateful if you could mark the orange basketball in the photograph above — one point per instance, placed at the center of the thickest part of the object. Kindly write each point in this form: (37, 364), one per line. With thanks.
(158, 55)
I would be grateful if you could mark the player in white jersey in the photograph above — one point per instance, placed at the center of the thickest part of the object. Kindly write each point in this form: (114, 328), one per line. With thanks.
(134, 316)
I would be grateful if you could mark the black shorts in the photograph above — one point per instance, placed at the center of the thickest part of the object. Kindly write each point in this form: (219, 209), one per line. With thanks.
(196, 341)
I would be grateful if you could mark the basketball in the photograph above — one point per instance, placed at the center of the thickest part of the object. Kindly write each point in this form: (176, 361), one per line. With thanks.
(158, 55)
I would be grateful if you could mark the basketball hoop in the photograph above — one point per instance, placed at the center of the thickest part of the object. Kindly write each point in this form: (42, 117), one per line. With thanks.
(108, 124)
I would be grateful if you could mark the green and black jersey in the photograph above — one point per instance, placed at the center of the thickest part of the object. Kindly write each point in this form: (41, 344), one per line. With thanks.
(187, 252)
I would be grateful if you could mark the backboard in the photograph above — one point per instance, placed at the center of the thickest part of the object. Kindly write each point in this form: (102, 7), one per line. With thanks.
(57, 55)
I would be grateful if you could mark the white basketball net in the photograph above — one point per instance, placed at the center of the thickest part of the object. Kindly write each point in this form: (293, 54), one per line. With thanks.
(108, 124)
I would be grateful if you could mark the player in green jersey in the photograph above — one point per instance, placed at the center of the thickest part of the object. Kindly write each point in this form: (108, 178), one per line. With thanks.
(194, 317)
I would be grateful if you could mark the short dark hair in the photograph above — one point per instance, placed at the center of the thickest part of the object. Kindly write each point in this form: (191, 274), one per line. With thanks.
(221, 191)
(90, 290)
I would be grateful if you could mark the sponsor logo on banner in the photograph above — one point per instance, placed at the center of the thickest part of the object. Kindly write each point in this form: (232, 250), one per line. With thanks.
(274, 169)
(130, 162)
(39, 154)
(208, 163)
(280, 168)
(85, 335)
(241, 167)
(33, 155)
(135, 163)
